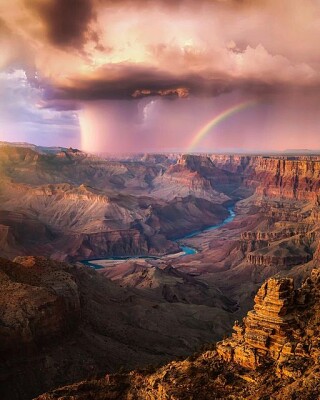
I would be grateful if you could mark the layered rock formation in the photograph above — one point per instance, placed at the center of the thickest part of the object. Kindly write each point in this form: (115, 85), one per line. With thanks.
(267, 331)
(191, 175)
(168, 283)
(295, 177)
(284, 260)
(282, 329)
(273, 355)
(288, 178)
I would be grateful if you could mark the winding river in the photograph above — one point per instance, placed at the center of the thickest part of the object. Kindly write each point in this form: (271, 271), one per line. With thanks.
(185, 250)
(190, 250)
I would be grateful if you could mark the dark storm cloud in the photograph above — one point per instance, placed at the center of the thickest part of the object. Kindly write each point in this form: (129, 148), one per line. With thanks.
(132, 81)
(67, 21)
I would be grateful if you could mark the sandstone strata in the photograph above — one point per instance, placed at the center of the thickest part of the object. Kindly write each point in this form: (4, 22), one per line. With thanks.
(277, 176)
(275, 331)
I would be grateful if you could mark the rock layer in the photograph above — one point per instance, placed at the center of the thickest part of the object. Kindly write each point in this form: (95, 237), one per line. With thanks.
(272, 176)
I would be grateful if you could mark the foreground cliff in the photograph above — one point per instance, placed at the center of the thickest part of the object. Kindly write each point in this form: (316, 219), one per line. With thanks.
(273, 354)
(60, 323)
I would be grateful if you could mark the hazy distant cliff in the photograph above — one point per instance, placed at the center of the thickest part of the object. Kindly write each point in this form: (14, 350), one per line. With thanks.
(287, 177)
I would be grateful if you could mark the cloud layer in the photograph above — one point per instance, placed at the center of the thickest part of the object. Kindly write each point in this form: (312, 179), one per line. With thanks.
(109, 49)
(80, 52)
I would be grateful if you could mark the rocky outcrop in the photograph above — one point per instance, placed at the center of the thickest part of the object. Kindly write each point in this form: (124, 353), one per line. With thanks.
(20, 233)
(116, 243)
(293, 179)
(274, 354)
(316, 255)
(39, 302)
(168, 283)
(271, 236)
(183, 215)
(179, 182)
(288, 178)
(266, 329)
(7, 240)
(290, 211)
(275, 330)
(232, 163)
(193, 175)
(281, 248)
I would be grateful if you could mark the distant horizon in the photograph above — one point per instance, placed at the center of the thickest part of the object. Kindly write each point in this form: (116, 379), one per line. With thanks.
(287, 152)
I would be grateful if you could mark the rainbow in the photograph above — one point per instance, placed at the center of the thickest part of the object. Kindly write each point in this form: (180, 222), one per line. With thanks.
(217, 119)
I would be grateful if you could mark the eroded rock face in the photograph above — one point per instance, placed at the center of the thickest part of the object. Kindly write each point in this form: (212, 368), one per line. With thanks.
(271, 330)
(281, 177)
(317, 253)
(191, 176)
(290, 178)
(280, 262)
(38, 303)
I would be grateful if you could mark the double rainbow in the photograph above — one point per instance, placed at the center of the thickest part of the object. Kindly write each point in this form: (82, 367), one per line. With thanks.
(216, 120)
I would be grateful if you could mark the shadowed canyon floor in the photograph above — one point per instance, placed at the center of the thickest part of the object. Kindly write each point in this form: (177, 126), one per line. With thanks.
(273, 354)
(70, 322)
(61, 322)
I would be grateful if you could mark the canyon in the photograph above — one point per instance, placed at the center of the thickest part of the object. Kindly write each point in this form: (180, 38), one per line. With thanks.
(60, 207)
(61, 323)
(272, 354)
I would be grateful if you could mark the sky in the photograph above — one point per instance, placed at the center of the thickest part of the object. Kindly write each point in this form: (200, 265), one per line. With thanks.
(148, 75)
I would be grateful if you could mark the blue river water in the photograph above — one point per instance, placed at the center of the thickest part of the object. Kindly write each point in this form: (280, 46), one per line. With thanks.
(185, 250)
(229, 219)
(191, 250)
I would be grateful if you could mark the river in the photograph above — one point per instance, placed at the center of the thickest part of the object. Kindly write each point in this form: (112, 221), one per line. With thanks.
(185, 250)
(190, 250)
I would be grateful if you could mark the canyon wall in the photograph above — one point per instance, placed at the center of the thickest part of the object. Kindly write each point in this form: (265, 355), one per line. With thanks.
(276, 176)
